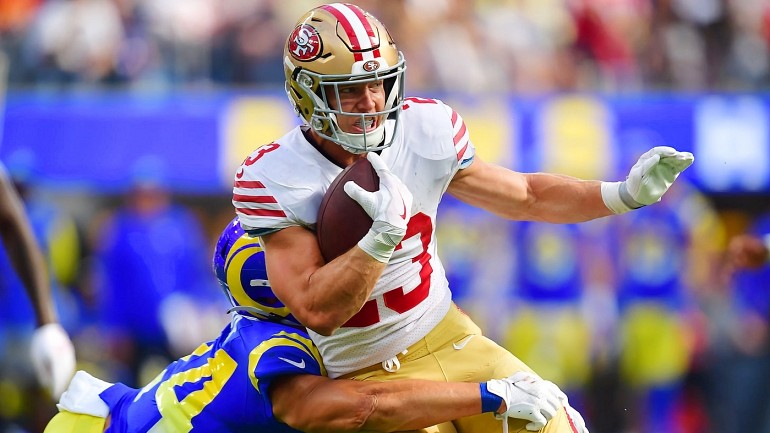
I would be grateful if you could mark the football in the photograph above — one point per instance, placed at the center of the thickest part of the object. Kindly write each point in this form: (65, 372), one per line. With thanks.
(341, 221)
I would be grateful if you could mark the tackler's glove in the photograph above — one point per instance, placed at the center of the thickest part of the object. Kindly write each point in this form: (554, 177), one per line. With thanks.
(648, 180)
(527, 397)
(390, 208)
(53, 357)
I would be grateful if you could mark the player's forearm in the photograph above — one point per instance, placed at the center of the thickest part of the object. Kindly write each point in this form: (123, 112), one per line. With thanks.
(315, 404)
(413, 404)
(30, 266)
(25, 255)
(563, 199)
(322, 296)
(342, 286)
(529, 197)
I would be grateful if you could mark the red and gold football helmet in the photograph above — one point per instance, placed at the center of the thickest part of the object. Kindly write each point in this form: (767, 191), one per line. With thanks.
(341, 44)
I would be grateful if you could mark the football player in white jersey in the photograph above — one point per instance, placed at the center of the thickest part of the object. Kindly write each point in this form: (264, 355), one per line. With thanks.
(383, 310)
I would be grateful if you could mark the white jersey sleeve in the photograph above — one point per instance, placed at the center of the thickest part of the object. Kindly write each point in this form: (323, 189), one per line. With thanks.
(281, 184)
(464, 148)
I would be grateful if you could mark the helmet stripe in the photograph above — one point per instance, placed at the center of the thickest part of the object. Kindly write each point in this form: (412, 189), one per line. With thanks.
(368, 27)
(357, 28)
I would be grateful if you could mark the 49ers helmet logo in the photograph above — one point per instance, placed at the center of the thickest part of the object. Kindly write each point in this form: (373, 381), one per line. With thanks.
(371, 65)
(305, 43)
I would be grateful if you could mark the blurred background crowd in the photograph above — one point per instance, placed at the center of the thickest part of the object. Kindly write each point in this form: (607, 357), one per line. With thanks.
(461, 45)
(642, 319)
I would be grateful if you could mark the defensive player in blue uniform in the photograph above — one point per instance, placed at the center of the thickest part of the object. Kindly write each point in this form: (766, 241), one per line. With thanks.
(263, 374)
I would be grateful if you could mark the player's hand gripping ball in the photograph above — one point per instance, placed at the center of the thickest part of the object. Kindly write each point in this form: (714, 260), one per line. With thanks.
(342, 222)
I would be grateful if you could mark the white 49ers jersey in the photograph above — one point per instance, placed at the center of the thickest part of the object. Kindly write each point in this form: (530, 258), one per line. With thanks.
(282, 184)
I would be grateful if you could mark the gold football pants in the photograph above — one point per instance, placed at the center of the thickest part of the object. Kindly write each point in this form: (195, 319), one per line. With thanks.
(455, 351)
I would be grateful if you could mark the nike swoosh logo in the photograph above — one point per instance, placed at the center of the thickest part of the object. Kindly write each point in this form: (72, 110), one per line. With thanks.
(300, 364)
(240, 173)
(462, 342)
(403, 215)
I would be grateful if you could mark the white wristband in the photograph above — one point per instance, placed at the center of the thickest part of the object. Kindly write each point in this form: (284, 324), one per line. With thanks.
(617, 199)
(378, 245)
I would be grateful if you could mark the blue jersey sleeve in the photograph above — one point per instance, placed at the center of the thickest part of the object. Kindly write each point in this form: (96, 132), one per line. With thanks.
(283, 354)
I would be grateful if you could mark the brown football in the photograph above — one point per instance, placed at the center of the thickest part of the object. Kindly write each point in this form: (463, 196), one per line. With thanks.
(341, 221)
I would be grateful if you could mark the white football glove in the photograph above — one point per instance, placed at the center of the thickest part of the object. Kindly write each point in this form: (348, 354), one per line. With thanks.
(648, 180)
(527, 397)
(390, 207)
(53, 358)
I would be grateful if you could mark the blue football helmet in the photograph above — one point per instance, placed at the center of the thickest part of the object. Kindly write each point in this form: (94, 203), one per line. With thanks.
(239, 263)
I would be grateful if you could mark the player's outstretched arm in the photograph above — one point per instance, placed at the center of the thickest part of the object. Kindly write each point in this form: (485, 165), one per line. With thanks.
(316, 404)
(52, 353)
(564, 199)
(528, 197)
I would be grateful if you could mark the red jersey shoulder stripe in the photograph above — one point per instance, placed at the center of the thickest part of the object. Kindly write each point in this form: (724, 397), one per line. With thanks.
(260, 212)
(251, 197)
(254, 198)
(248, 184)
(461, 137)
(462, 152)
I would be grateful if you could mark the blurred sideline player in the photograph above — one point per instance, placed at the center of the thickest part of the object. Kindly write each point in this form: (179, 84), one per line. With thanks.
(148, 269)
(383, 310)
(547, 330)
(750, 251)
(264, 371)
(650, 252)
(664, 258)
(53, 355)
(746, 343)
